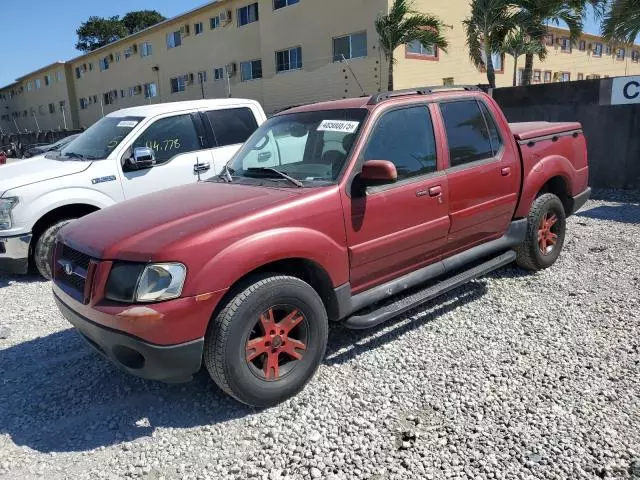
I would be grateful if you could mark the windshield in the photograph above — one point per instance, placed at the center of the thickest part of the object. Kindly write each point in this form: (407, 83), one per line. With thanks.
(99, 140)
(308, 146)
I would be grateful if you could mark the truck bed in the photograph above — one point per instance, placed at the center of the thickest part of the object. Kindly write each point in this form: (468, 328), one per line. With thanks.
(531, 130)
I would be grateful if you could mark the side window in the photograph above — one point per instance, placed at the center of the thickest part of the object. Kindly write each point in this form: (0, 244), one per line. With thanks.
(467, 134)
(494, 135)
(169, 137)
(405, 137)
(232, 126)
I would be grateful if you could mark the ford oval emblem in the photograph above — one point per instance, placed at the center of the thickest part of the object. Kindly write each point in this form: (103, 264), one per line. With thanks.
(68, 268)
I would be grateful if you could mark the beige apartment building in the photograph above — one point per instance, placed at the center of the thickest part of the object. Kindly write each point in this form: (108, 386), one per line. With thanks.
(281, 53)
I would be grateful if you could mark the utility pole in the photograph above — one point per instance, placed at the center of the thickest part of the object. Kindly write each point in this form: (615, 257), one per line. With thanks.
(102, 107)
(226, 69)
(64, 117)
(36, 120)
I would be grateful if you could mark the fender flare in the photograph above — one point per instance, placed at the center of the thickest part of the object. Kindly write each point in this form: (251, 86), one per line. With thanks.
(255, 251)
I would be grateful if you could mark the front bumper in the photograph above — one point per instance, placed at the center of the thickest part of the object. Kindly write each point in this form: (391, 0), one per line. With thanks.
(14, 254)
(172, 364)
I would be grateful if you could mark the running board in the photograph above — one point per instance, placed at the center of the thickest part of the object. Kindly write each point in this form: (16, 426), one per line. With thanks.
(405, 303)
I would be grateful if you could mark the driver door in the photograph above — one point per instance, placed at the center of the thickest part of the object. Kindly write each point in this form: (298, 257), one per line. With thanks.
(180, 148)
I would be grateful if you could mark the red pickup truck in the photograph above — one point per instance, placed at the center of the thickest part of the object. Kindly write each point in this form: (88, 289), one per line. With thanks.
(349, 211)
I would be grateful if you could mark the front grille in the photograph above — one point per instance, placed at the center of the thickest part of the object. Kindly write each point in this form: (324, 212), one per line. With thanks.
(71, 269)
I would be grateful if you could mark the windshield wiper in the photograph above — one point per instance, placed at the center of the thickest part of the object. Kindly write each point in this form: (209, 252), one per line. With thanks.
(297, 183)
(74, 155)
(226, 174)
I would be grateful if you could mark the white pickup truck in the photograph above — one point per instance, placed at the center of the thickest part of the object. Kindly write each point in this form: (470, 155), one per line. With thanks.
(128, 153)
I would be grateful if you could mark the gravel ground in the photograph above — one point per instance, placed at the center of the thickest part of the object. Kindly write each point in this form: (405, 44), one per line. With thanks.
(514, 376)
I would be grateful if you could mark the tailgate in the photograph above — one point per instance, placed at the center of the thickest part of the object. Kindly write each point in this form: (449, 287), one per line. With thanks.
(532, 130)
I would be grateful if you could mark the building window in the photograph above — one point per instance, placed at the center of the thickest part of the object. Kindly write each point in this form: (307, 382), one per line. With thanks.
(635, 56)
(537, 76)
(146, 50)
(547, 76)
(95, 99)
(78, 72)
(620, 53)
(565, 77)
(608, 50)
(198, 28)
(565, 45)
(91, 67)
(52, 108)
(178, 84)
(248, 14)
(251, 70)
(581, 76)
(582, 46)
(38, 84)
(123, 93)
(290, 59)
(350, 46)
(597, 49)
(29, 86)
(117, 57)
(415, 48)
(48, 80)
(174, 39)
(202, 77)
(218, 73)
(59, 76)
(214, 22)
(496, 59)
(150, 90)
(83, 103)
(103, 63)
(448, 82)
(548, 40)
(278, 4)
(595, 76)
(520, 76)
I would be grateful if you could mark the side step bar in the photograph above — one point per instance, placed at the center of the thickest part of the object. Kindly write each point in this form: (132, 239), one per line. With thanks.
(403, 304)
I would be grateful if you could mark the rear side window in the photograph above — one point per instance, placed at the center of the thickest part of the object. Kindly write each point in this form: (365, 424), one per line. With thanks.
(467, 132)
(169, 137)
(405, 137)
(494, 135)
(232, 126)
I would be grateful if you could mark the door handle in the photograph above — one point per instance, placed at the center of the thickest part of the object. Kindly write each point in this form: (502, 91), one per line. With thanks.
(506, 171)
(435, 191)
(201, 167)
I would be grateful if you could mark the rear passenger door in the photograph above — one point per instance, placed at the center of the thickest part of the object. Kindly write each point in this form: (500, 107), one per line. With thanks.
(397, 227)
(230, 128)
(483, 173)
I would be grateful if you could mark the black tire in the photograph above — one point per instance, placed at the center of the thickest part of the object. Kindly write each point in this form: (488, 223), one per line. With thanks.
(43, 250)
(227, 341)
(530, 253)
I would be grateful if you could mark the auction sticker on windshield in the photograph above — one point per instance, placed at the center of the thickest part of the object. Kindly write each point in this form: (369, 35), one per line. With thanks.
(338, 126)
(127, 123)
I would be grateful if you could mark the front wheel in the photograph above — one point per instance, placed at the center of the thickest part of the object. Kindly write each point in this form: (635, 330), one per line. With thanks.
(43, 251)
(268, 341)
(546, 230)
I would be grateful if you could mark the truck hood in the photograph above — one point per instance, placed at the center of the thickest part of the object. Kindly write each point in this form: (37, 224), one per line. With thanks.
(153, 226)
(37, 169)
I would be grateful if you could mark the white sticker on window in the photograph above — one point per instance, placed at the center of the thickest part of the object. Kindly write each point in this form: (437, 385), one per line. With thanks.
(127, 123)
(338, 126)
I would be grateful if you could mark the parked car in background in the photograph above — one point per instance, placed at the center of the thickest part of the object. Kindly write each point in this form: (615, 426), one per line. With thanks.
(43, 148)
(128, 153)
(349, 211)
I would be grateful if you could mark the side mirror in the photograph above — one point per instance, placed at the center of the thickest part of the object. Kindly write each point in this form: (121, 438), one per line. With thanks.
(142, 158)
(376, 172)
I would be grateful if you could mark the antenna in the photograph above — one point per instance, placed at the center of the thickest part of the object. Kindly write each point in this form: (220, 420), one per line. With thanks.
(354, 75)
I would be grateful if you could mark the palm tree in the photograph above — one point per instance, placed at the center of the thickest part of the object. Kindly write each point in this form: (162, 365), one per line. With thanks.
(486, 29)
(534, 16)
(621, 21)
(516, 44)
(404, 25)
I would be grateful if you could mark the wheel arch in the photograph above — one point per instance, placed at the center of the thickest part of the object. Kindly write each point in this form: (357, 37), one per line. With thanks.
(73, 210)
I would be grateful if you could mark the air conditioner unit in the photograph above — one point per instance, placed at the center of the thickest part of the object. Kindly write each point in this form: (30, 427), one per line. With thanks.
(225, 17)
(232, 69)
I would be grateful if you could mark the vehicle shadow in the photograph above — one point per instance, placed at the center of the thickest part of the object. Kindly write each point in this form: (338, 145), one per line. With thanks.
(58, 395)
(5, 280)
(623, 213)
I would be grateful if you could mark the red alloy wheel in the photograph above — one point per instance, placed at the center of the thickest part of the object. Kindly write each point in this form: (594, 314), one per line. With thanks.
(277, 342)
(547, 233)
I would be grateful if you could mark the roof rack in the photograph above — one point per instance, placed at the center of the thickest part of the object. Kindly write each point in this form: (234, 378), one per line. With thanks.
(379, 97)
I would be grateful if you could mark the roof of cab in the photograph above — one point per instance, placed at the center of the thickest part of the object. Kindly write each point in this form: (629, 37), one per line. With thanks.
(170, 107)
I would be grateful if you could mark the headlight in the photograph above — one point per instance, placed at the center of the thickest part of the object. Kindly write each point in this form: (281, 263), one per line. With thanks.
(6, 205)
(132, 282)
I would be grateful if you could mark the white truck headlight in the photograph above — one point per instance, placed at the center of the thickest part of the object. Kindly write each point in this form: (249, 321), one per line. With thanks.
(161, 281)
(6, 205)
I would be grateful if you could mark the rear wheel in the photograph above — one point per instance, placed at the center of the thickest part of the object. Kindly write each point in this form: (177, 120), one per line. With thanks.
(268, 341)
(546, 230)
(43, 251)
